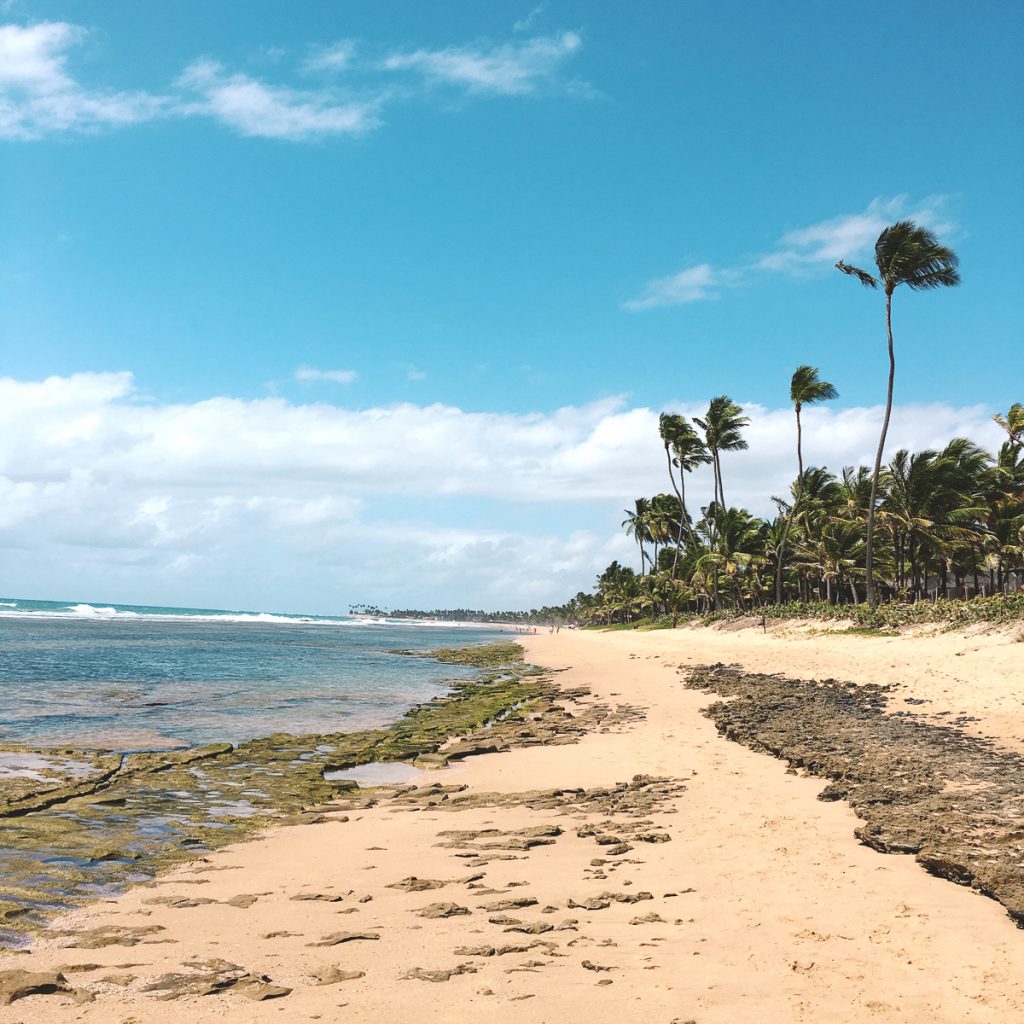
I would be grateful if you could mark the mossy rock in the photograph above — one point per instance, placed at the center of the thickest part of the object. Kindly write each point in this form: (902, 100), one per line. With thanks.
(143, 813)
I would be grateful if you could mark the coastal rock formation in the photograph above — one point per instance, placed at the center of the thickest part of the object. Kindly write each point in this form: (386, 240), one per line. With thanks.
(435, 910)
(952, 800)
(421, 974)
(83, 821)
(16, 985)
(337, 938)
(335, 975)
(209, 977)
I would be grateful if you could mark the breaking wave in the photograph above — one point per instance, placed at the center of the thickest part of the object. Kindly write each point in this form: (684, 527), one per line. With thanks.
(92, 612)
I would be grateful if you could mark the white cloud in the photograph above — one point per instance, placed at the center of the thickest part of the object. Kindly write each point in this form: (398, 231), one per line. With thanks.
(837, 438)
(691, 285)
(527, 22)
(335, 57)
(513, 69)
(850, 236)
(33, 58)
(254, 108)
(38, 96)
(233, 502)
(308, 375)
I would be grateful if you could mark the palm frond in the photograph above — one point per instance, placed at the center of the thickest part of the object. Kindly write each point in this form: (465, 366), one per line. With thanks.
(906, 253)
(938, 277)
(862, 275)
(807, 388)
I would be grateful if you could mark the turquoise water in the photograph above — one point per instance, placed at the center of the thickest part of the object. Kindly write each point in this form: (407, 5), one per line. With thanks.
(129, 677)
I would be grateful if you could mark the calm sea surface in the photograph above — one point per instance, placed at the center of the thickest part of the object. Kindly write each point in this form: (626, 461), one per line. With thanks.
(126, 677)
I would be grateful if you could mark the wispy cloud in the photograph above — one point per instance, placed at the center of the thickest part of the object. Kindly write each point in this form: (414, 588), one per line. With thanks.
(310, 375)
(690, 285)
(527, 22)
(850, 235)
(38, 96)
(512, 69)
(253, 108)
(335, 57)
(799, 252)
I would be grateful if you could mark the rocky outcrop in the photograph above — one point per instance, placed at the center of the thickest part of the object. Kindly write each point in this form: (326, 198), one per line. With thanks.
(16, 985)
(952, 800)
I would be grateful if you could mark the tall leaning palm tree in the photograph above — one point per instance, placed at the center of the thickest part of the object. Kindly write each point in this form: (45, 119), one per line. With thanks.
(686, 451)
(670, 427)
(904, 254)
(723, 424)
(805, 388)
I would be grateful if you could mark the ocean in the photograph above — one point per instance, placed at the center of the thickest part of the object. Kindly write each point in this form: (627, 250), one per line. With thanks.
(131, 678)
(83, 678)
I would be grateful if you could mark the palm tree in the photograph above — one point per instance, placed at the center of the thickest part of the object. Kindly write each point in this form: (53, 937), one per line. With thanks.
(670, 427)
(734, 538)
(664, 524)
(820, 498)
(904, 254)
(637, 524)
(722, 426)
(805, 388)
(685, 450)
(1005, 498)
(1013, 422)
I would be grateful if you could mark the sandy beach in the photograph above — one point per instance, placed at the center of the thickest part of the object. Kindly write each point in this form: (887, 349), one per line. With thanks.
(653, 870)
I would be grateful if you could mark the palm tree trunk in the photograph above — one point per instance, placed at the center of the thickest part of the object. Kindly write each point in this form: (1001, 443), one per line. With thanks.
(792, 514)
(720, 501)
(682, 509)
(872, 597)
(682, 505)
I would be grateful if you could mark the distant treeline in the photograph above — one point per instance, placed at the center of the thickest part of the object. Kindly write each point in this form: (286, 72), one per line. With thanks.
(546, 615)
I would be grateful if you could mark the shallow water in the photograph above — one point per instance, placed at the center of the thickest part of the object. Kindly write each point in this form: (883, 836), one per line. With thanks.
(152, 679)
(377, 773)
(128, 680)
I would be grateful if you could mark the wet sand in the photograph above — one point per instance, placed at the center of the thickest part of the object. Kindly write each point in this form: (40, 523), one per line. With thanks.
(713, 888)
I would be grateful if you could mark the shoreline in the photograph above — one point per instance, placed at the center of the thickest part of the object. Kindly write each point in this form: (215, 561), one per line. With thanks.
(97, 824)
(730, 859)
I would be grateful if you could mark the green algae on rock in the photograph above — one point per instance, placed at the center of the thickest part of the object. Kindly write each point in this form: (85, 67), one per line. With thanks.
(119, 819)
(496, 655)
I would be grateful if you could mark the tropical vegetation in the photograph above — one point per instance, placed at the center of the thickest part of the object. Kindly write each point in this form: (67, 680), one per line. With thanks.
(932, 535)
(921, 531)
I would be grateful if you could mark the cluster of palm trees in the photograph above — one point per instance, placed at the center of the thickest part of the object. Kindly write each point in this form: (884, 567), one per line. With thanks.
(929, 524)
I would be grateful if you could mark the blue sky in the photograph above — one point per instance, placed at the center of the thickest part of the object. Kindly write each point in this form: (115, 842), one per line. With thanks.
(502, 209)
